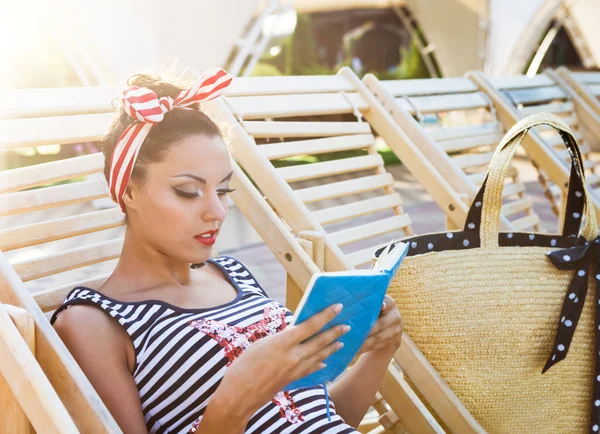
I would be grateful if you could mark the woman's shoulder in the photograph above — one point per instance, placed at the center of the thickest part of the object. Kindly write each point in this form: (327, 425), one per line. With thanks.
(239, 273)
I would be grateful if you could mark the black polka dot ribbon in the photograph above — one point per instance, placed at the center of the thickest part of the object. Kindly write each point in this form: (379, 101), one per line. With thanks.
(583, 258)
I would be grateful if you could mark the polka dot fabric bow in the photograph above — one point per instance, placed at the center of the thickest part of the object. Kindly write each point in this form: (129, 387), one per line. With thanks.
(583, 258)
(144, 106)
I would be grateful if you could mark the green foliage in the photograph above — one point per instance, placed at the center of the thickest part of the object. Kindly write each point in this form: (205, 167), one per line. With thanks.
(411, 66)
(265, 70)
(386, 153)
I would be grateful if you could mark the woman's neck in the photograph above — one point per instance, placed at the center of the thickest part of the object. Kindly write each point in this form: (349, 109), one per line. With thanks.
(141, 267)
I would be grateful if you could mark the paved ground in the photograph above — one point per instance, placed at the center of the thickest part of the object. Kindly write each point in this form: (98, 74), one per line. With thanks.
(239, 239)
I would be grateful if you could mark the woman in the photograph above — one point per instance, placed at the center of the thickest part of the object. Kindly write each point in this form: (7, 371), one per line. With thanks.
(176, 348)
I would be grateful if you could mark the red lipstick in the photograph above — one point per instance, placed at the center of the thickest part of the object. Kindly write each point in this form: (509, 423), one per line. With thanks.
(207, 238)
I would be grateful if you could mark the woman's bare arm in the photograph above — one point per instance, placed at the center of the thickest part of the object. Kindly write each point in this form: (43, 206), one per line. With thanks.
(103, 350)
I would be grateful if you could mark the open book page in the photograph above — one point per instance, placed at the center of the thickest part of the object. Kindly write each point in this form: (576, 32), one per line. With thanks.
(390, 259)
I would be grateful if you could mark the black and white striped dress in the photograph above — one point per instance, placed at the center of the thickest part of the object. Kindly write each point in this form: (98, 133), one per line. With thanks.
(182, 355)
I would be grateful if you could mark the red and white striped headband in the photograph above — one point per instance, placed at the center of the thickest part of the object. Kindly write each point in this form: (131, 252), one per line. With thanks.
(144, 105)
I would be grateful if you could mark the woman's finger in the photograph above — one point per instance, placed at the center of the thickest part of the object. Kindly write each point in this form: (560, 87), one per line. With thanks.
(326, 352)
(318, 342)
(311, 326)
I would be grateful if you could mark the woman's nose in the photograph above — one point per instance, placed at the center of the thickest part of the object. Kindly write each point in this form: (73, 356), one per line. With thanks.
(214, 208)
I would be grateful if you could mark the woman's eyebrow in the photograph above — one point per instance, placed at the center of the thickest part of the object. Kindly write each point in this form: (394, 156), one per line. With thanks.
(202, 180)
(189, 175)
(227, 178)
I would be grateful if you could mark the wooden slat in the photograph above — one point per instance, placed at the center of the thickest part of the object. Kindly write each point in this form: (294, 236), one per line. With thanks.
(555, 140)
(357, 209)
(22, 133)
(586, 77)
(54, 171)
(368, 230)
(51, 299)
(68, 260)
(525, 223)
(438, 103)
(48, 197)
(14, 420)
(450, 133)
(314, 147)
(478, 178)
(33, 103)
(57, 229)
(589, 164)
(29, 383)
(364, 256)
(592, 179)
(344, 188)
(329, 168)
(520, 81)
(512, 189)
(428, 86)
(556, 108)
(465, 144)
(571, 121)
(517, 206)
(248, 86)
(594, 89)
(265, 129)
(473, 160)
(537, 95)
(273, 106)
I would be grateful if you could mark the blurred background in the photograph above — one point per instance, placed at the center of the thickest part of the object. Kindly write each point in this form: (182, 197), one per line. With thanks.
(72, 43)
(67, 43)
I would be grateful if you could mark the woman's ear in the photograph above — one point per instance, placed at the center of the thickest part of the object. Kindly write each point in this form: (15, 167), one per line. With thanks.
(131, 193)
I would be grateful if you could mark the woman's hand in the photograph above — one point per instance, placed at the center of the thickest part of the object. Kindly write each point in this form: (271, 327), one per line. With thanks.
(271, 363)
(386, 334)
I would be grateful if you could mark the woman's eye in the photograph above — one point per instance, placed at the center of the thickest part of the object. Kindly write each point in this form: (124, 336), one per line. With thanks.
(224, 191)
(185, 194)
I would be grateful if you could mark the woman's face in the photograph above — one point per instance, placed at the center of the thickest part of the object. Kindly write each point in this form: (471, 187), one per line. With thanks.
(182, 202)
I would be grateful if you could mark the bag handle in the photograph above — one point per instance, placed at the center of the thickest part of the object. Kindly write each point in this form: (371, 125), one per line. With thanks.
(494, 184)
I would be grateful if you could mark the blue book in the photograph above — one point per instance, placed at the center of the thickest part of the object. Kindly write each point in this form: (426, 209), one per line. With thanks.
(361, 293)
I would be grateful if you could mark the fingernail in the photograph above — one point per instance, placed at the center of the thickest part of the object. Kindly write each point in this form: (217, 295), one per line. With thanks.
(346, 328)
(338, 307)
(339, 345)
(322, 365)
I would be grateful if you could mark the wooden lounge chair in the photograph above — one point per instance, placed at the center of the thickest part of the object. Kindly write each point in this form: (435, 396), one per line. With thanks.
(52, 239)
(344, 206)
(586, 85)
(451, 116)
(519, 96)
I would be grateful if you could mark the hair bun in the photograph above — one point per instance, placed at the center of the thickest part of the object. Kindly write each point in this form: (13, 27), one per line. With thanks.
(156, 84)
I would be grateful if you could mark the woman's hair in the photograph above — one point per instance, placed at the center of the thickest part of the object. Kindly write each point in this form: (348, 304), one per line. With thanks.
(176, 125)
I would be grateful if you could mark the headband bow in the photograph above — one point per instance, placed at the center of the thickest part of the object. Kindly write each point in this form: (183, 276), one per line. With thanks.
(143, 105)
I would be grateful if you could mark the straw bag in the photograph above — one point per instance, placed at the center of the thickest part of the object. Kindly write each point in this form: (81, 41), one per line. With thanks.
(491, 311)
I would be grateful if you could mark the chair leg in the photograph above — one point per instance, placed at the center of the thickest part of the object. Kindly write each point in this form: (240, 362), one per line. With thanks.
(14, 420)
(25, 378)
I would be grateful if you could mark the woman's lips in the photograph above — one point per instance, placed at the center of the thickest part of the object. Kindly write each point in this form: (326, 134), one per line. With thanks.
(207, 238)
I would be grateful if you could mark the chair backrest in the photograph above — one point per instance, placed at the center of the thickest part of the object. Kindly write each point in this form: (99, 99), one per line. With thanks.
(307, 127)
(461, 121)
(348, 197)
(49, 230)
(52, 232)
(59, 230)
(320, 156)
(588, 80)
(542, 93)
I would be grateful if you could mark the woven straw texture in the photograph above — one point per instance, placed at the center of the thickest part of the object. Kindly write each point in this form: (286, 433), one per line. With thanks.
(486, 320)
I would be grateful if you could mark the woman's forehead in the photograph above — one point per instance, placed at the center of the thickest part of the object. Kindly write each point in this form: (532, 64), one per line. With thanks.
(202, 155)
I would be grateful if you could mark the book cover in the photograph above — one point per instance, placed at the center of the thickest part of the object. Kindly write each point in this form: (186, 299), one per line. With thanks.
(361, 293)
